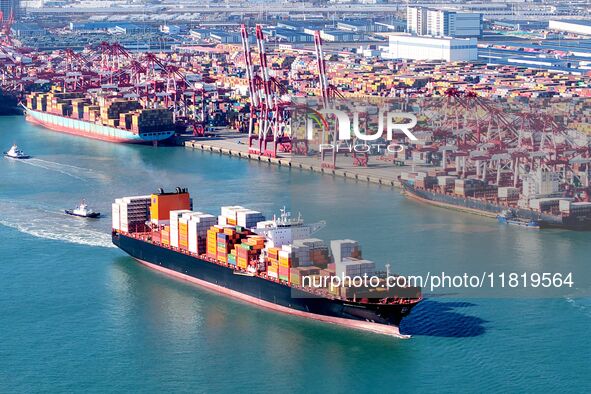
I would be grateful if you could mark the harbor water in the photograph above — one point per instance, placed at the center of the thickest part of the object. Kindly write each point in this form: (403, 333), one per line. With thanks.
(79, 315)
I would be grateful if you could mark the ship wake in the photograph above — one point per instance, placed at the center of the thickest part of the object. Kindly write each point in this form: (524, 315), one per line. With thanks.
(80, 173)
(49, 224)
(581, 304)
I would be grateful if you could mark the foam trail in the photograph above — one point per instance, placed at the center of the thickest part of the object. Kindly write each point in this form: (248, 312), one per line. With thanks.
(580, 304)
(47, 166)
(62, 165)
(43, 223)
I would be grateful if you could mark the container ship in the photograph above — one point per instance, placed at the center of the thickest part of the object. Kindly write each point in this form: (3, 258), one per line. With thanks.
(539, 203)
(103, 118)
(275, 264)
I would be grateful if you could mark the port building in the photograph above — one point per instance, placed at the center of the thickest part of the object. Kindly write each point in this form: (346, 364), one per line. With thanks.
(406, 46)
(443, 23)
(571, 26)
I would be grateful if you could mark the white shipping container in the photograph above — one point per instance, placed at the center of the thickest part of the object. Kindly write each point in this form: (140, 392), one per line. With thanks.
(343, 248)
(351, 266)
(230, 211)
(197, 231)
(446, 180)
(564, 205)
(115, 216)
(175, 215)
(248, 218)
(205, 218)
(188, 215)
(174, 236)
(508, 192)
(137, 199)
(192, 237)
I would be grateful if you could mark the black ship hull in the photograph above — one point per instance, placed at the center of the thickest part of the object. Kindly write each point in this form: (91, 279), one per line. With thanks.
(9, 104)
(379, 318)
(483, 208)
(93, 215)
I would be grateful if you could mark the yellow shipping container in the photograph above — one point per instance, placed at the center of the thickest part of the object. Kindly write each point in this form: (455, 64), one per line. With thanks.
(284, 262)
(241, 262)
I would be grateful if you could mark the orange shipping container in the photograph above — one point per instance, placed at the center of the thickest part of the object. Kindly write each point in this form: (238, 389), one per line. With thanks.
(162, 204)
(273, 252)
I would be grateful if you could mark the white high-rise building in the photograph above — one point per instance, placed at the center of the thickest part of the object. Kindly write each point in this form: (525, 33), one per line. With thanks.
(443, 23)
(416, 20)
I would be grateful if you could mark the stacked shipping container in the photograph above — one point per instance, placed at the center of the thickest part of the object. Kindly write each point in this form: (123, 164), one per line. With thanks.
(130, 214)
(199, 223)
(113, 112)
(175, 227)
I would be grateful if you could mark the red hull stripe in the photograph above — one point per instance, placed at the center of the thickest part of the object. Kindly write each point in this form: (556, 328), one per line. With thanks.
(356, 324)
(80, 133)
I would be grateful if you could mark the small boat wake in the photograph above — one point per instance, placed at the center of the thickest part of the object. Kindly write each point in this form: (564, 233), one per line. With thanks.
(54, 225)
(80, 173)
(582, 304)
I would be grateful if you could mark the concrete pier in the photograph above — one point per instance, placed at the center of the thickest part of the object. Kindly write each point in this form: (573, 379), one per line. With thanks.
(378, 172)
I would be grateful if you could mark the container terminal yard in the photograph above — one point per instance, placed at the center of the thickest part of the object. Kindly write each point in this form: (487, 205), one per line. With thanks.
(513, 136)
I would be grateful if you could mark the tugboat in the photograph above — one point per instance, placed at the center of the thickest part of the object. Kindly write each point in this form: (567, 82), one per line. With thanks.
(508, 216)
(83, 211)
(15, 153)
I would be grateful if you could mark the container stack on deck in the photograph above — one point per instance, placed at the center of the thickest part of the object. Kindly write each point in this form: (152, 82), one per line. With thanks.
(151, 120)
(248, 251)
(178, 228)
(301, 262)
(199, 223)
(125, 114)
(131, 213)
